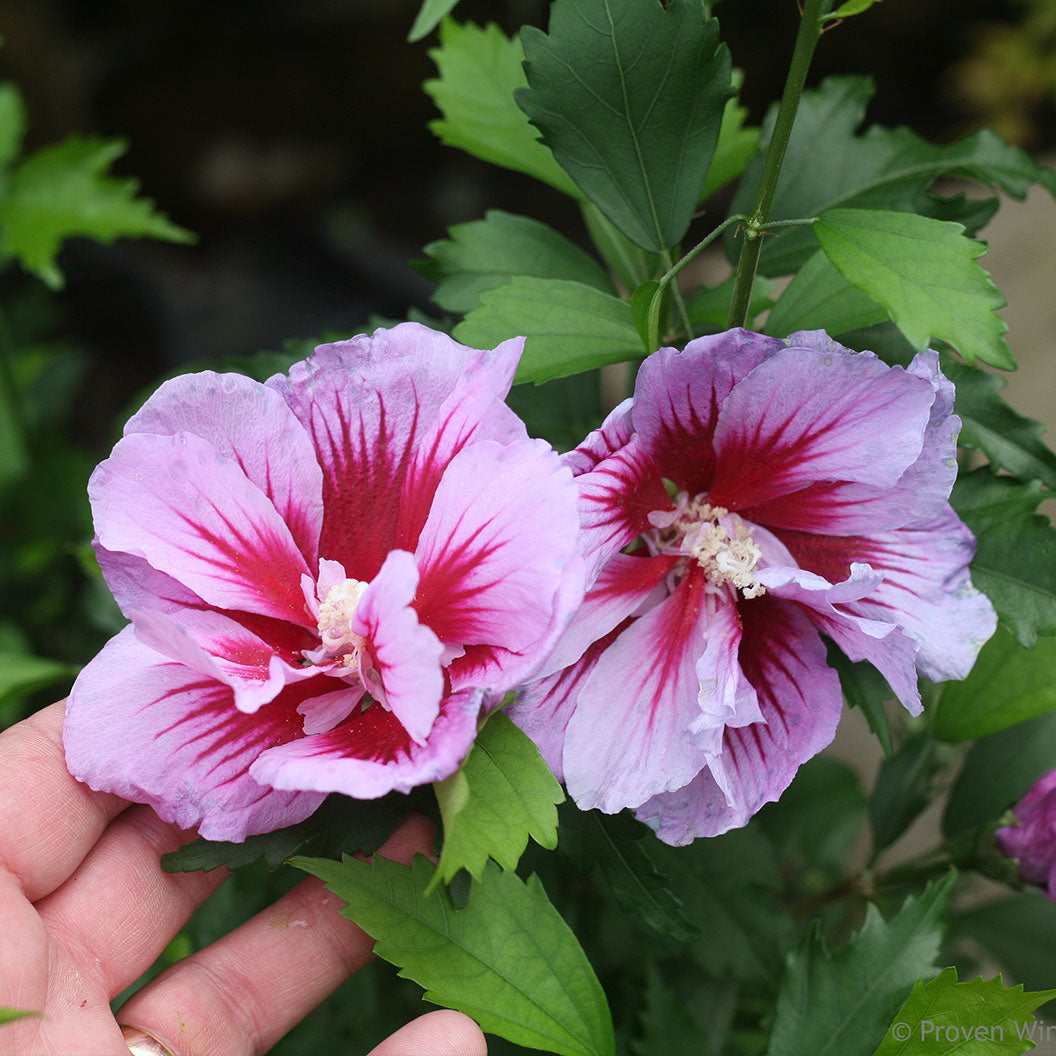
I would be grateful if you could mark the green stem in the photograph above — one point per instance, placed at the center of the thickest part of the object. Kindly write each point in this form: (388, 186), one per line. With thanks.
(676, 293)
(806, 40)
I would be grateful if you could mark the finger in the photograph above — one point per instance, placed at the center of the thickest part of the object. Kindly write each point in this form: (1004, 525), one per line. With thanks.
(442, 1033)
(120, 909)
(48, 820)
(240, 995)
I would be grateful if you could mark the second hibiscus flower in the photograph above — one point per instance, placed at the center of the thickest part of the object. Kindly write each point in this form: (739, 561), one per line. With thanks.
(754, 495)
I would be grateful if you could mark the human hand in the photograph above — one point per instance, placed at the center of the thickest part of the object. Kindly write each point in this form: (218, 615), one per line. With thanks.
(87, 908)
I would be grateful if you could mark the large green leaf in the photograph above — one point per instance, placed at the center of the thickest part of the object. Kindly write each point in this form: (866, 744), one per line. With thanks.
(570, 327)
(827, 166)
(977, 1018)
(63, 191)
(510, 794)
(1008, 684)
(630, 264)
(21, 674)
(616, 846)
(1015, 557)
(990, 425)
(12, 122)
(998, 771)
(507, 958)
(923, 272)
(630, 99)
(479, 71)
(482, 254)
(839, 1004)
(820, 298)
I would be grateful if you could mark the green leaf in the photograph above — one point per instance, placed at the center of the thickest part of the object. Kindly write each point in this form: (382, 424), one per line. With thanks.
(735, 147)
(562, 412)
(21, 674)
(340, 824)
(679, 1023)
(630, 99)
(63, 191)
(709, 307)
(977, 1018)
(839, 1004)
(646, 302)
(570, 327)
(510, 794)
(990, 425)
(9, 1015)
(428, 18)
(12, 122)
(849, 8)
(820, 298)
(1007, 685)
(616, 846)
(479, 72)
(507, 959)
(630, 264)
(483, 254)
(998, 771)
(923, 272)
(826, 166)
(901, 791)
(1015, 557)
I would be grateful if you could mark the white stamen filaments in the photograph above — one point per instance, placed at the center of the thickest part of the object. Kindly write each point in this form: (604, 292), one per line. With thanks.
(703, 532)
(335, 621)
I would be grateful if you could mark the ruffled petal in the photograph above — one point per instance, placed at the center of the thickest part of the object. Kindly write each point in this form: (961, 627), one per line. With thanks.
(385, 412)
(154, 731)
(626, 740)
(678, 394)
(251, 424)
(216, 646)
(401, 661)
(800, 699)
(804, 416)
(193, 515)
(497, 550)
(372, 754)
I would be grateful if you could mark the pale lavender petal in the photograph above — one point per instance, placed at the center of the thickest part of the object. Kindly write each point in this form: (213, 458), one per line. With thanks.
(804, 416)
(926, 590)
(193, 515)
(135, 584)
(250, 423)
(372, 754)
(369, 404)
(606, 440)
(400, 665)
(153, 731)
(215, 645)
(322, 714)
(627, 739)
(497, 551)
(799, 696)
(678, 394)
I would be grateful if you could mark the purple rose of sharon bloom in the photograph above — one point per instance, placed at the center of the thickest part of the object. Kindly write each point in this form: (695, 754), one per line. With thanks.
(1033, 841)
(323, 573)
(754, 495)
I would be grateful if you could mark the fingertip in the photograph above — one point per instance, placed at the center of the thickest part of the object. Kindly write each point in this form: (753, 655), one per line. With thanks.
(440, 1033)
(414, 836)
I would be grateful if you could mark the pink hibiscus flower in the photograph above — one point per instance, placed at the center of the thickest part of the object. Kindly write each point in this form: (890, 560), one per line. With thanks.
(324, 574)
(754, 495)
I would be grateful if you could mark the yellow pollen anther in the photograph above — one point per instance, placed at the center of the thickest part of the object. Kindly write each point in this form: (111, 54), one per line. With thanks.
(335, 620)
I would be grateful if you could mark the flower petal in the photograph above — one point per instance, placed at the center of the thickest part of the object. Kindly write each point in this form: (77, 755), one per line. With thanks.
(804, 416)
(799, 697)
(250, 423)
(193, 515)
(626, 740)
(154, 731)
(372, 754)
(401, 665)
(926, 590)
(606, 440)
(498, 549)
(385, 413)
(678, 394)
(216, 646)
